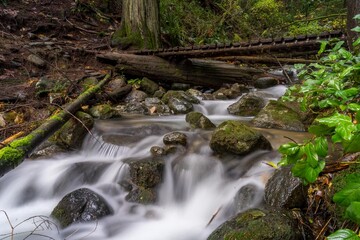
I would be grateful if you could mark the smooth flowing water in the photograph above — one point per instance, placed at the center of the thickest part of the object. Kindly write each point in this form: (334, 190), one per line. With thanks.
(197, 195)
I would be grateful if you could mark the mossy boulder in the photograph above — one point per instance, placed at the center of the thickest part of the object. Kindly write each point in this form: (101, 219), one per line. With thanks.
(72, 134)
(277, 115)
(142, 195)
(248, 105)
(81, 205)
(256, 224)
(117, 88)
(102, 111)
(136, 96)
(181, 95)
(265, 82)
(148, 86)
(198, 120)
(237, 138)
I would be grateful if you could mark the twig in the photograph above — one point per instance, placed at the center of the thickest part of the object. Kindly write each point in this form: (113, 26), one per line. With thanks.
(83, 29)
(213, 216)
(323, 229)
(290, 139)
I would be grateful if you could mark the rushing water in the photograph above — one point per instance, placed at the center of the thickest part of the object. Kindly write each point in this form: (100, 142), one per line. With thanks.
(197, 194)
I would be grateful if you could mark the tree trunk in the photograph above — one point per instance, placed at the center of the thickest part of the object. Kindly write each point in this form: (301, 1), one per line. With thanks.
(13, 155)
(140, 25)
(353, 8)
(193, 71)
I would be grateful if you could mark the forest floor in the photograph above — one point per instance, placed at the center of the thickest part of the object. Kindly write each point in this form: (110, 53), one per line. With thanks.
(46, 39)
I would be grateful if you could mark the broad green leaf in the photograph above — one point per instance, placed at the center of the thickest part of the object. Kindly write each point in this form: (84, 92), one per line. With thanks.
(328, 103)
(356, 29)
(357, 42)
(338, 46)
(350, 192)
(343, 234)
(321, 129)
(311, 155)
(289, 148)
(299, 66)
(343, 125)
(353, 145)
(345, 54)
(321, 146)
(306, 172)
(353, 212)
(354, 107)
(357, 17)
(345, 94)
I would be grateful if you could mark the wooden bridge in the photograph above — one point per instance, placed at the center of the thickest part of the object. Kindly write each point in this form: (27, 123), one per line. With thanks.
(187, 64)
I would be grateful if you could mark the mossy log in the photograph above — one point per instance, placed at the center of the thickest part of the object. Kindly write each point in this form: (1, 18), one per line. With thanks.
(14, 154)
(193, 71)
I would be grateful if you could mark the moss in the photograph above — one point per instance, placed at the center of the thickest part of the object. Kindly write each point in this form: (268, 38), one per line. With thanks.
(56, 117)
(23, 142)
(10, 157)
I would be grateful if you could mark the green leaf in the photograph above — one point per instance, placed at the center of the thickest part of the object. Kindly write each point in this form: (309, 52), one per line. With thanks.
(338, 46)
(350, 192)
(345, 54)
(321, 146)
(343, 234)
(357, 17)
(323, 46)
(357, 42)
(354, 107)
(353, 145)
(353, 212)
(306, 172)
(343, 125)
(356, 29)
(289, 148)
(321, 129)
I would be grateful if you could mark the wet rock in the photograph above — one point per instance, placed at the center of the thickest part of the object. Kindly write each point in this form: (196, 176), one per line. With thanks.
(136, 96)
(283, 190)
(159, 93)
(277, 115)
(237, 138)
(148, 86)
(175, 138)
(142, 196)
(248, 196)
(46, 149)
(157, 151)
(198, 120)
(181, 95)
(180, 86)
(195, 93)
(256, 224)
(146, 173)
(180, 106)
(265, 82)
(103, 111)
(156, 106)
(82, 205)
(72, 134)
(221, 94)
(248, 105)
(36, 60)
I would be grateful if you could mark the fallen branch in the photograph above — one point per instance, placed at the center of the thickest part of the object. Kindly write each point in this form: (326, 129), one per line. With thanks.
(214, 216)
(13, 155)
(11, 138)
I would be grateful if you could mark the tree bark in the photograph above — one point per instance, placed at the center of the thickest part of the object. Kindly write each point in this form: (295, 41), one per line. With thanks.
(14, 154)
(193, 71)
(140, 26)
(353, 8)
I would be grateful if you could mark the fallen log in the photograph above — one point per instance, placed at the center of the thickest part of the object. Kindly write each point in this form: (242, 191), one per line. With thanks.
(265, 60)
(13, 155)
(193, 71)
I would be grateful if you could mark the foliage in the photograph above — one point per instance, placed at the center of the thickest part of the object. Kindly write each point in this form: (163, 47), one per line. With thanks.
(331, 87)
(343, 234)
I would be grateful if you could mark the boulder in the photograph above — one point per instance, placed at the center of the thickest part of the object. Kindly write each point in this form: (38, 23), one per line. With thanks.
(256, 224)
(175, 138)
(265, 82)
(156, 106)
(73, 132)
(283, 190)
(181, 95)
(135, 96)
(102, 111)
(237, 138)
(198, 120)
(148, 86)
(81, 205)
(117, 88)
(248, 105)
(277, 115)
(179, 106)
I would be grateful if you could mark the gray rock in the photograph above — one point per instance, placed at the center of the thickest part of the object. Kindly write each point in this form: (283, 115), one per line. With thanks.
(175, 138)
(180, 106)
(36, 60)
(82, 205)
(237, 138)
(265, 82)
(198, 120)
(256, 224)
(279, 116)
(283, 190)
(136, 96)
(103, 111)
(248, 105)
(181, 95)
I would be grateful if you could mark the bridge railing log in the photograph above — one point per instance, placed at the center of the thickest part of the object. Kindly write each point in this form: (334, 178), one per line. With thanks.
(268, 60)
(193, 71)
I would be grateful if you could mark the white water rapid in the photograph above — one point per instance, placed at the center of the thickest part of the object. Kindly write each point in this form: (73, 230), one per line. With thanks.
(197, 195)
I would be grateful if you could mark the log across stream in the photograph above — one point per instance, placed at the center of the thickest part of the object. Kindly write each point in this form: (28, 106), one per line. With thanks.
(196, 184)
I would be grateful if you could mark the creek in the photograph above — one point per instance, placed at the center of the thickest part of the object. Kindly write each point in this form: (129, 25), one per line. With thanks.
(196, 196)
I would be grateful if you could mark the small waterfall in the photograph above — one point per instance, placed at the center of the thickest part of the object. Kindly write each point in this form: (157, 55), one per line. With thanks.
(198, 193)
